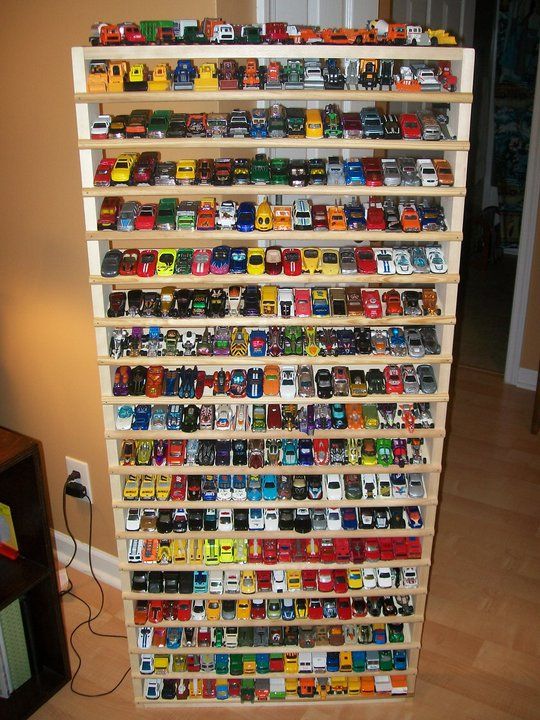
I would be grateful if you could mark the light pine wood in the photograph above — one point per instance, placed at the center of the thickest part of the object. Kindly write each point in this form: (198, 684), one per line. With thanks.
(377, 502)
(191, 96)
(231, 190)
(273, 434)
(421, 562)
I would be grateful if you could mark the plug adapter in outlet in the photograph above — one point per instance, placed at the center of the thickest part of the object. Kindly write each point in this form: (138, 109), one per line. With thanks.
(82, 468)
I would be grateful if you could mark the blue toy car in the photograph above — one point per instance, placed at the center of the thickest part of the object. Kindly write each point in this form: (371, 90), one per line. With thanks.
(238, 261)
(258, 127)
(269, 487)
(319, 302)
(200, 581)
(289, 450)
(287, 610)
(354, 172)
(245, 218)
(174, 417)
(220, 262)
(305, 452)
(174, 637)
(183, 76)
(257, 343)
(332, 662)
(398, 344)
(209, 488)
(141, 417)
(254, 488)
(399, 658)
(356, 217)
(339, 420)
(255, 377)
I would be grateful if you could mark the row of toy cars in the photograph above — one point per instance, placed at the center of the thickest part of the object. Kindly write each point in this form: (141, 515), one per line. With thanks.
(251, 301)
(209, 215)
(275, 342)
(292, 74)
(259, 636)
(263, 663)
(274, 260)
(147, 169)
(276, 121)
(287, 382)
(217, 30)
(301, 520)
(274, 689)
(255, 488)
(337, 550)
(257, 454)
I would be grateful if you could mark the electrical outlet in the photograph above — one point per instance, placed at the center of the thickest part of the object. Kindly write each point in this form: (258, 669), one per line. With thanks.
(82, 468)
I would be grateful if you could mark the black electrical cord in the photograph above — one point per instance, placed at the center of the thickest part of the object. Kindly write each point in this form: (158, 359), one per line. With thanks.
(91, 617)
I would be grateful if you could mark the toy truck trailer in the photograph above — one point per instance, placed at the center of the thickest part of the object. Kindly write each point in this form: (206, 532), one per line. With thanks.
(154, 30)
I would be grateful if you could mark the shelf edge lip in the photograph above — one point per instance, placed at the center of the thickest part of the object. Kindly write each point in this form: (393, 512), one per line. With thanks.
(133, 650)
(420, 562)
(234, 360)
(126, 322)
(347, 143)
(367, 620)
(423, 532)
(254, 676)
(283, 434)
(195, 237)
(268, 400)
(376, 592)
(349, 94)
(196, 504)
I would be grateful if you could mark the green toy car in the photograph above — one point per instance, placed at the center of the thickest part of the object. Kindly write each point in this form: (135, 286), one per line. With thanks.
(279, 171)
(384, 451)
(260, 170)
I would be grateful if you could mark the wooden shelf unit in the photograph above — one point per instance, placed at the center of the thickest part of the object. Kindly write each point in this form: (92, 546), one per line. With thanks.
(88, 107)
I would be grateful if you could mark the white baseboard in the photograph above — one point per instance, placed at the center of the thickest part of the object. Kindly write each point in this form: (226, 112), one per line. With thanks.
(105, 565)
(527, 379)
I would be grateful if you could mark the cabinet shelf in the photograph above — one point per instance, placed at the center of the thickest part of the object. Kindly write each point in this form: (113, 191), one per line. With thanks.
(209, 281)
(366, 647)
(367, 620)
(272, 434)
(253, 143)
(376, 592)
(217, 676)
(243, 321)
(233, 190)
(193, 96)
(186, 238)
(422, 562)
(217, 504)
(351, 361)
(268, 535)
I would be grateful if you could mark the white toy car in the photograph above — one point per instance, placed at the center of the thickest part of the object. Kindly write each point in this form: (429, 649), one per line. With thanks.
(437, 263)
(124, 416)
(285, 302)
(271, 519)
(333, 519)
(369, 578)
(133, 519)
(369, 485)
(144, 637)
(279, 581)
(226, 215)
(256, 519)
(152, 689)
(287, 387)
(198, 610)
(409, 577)
(215, 582)
(231, 583)
(426, 172)
(333, 487)
(384, 577)
(225, 520)
(385, 261)
(402, 261)
(100, 128)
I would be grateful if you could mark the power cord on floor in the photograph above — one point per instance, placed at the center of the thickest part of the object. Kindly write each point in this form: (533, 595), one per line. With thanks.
(77, 489)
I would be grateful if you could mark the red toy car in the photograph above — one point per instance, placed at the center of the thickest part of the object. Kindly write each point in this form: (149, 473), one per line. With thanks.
(273, 419)
(373, 171)
(264, 581)
(315, 609)
(325, 581)
(129, 262)
(146, 219)
(365, 260)
(375, 219)
(414, 548)
(145, 167)
(344, 608)
(184, 610)
(309, 580)
(357, 551)
(327, 553)
(319, 217)
(108, 214)
(284, 551)
(258, 610)
(399, 547)
(155, 611)
(312, 550)
(392, 298)
(340, 581)
(393, 379)
(102, 176)
(321, 451)
(410, 126)
(292, 261)
(371, 549)
(176, 452)
(206, 216)
(342, 549)
(371, 300)
(146, 267)
(178, 487)
(386, 548)
(302, 302)
(299, 551)
(273, 264)
(270, 556)
(200, 264)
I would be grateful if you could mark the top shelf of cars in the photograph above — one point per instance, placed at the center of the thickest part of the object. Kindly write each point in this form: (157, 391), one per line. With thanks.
(217, 31)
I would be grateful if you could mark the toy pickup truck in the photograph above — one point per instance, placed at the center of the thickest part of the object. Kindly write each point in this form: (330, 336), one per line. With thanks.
(426, 77)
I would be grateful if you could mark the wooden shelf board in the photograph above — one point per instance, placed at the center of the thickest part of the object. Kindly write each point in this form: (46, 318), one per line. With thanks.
(232, 190)
(254, 676)
(259, 322)
(200, 505)
(127, 566)
(254, 143)
(351, 361)
(208, 281)
(19, 577)
(277, 534)
(377, 592)
(319, 50)
(273, 399)
(249, 707)
(367, 620)
(365, 647)
(195, 238)
(280, 95)
(273, 434)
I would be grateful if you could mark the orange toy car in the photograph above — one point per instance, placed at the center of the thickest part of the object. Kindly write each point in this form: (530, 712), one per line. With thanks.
(444, 172)
(271, 380)
(336, 218)
(154, 381)
(251, 78)
(410, 222)
(429, 302)
(282, 217)
(355, 418)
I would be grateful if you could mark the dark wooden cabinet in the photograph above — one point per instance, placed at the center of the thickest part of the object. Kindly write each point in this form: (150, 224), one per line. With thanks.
(32, 577)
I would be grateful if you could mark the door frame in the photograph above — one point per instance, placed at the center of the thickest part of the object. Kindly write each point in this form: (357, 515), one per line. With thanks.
(514, 374)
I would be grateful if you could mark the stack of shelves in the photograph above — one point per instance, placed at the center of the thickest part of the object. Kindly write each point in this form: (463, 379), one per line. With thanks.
(330, 685)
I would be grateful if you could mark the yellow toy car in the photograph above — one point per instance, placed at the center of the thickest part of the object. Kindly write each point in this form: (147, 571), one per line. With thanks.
(213, 610)
(147, 490)
(131, 488)
(98, 77)
(354, 579)
(300, 608)
(116, 72)
(314, 124)
(291, 687)
(269, 299)
(185, 172)
(345, 661)
(243, 609)
(226, 550)
(161, 78)
(294, 580)
(179, 551)
(248, 583)
(164, 556)
(163, 487)
(207, 77)
(441, 37)
(291, 663)
(330, 262)
(195, 551)
(165, 264)
(161, 663)
(211, 552)
(336, 218)
(353, 687)
(282, 217)
(123, 166)
(255, 261)
(264, 219)
(311, 260)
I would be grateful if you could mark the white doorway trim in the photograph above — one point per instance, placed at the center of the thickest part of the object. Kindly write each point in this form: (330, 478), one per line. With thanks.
(514, 374)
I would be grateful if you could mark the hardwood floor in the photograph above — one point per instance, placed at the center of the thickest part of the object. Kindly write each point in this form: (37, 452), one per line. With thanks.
(481, 642)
